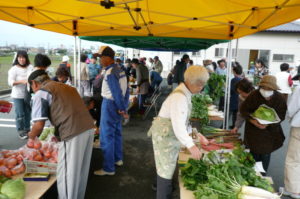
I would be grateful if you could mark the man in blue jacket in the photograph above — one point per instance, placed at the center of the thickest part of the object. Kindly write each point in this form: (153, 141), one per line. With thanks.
(115, 95)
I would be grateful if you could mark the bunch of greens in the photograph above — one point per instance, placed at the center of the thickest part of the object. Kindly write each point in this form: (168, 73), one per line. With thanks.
(265, 113)
(222, 176)
(199, 108)
(215, 86)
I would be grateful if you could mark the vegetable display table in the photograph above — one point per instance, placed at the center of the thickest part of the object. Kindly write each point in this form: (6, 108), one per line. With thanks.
(36, 189)
(212, 118)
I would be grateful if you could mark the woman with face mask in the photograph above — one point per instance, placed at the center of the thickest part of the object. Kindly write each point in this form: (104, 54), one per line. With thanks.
(264, 139)
(17, 79)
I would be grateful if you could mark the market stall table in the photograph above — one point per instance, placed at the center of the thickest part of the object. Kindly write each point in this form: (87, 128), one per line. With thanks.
(36, 189)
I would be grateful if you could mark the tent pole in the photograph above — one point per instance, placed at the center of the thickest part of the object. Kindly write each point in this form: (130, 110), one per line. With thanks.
(74, 62)
(78, 62)
(236, 49)
(228, 83)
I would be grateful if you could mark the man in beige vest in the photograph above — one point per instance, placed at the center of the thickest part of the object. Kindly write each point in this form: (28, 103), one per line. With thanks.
(62, 105)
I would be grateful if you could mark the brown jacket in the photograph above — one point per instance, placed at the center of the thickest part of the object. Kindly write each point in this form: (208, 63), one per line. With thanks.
(68, 113)
(263, 141)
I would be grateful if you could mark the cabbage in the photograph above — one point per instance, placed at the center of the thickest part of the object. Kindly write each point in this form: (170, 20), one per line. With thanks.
(265, 113)
(2, 196)
(14, 189)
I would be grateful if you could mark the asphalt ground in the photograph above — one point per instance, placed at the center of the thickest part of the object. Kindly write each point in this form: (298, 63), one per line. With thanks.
(134, 179)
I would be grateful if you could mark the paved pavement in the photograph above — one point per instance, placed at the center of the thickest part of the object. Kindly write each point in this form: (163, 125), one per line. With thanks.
(135, 178)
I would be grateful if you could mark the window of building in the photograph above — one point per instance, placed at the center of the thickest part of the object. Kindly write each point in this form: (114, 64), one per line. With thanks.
(177, 53)
(196, 53)
(219, 52)
(283, 58)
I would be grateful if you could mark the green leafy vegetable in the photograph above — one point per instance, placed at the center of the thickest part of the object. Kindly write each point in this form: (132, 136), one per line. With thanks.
(14, 189)
(46, 133)
(265, 113)
(222, 176)
(199, 108)
(215, 86)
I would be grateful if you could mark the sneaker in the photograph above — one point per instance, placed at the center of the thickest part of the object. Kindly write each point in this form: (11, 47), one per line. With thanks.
(101, 172)
(119, 163)
(286, 193)
(23, 136)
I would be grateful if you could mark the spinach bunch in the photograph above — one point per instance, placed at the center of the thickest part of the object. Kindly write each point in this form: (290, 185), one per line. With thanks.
(200, 108)
(215, 86)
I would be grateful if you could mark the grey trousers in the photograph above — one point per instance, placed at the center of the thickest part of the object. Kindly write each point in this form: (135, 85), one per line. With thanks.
(74, 157)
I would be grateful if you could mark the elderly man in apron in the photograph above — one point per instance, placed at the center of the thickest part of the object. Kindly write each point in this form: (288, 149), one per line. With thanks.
(170, 129)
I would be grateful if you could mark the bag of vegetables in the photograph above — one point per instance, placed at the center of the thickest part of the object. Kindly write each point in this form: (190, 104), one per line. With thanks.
(265, 115)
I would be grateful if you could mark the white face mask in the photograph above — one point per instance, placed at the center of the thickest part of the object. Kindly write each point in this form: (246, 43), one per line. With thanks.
(266, 93)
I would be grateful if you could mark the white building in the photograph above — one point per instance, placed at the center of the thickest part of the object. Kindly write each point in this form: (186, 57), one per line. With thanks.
(275, 46)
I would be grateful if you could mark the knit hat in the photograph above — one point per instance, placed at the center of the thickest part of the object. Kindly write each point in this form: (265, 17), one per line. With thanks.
(269, 81)
(106, 51)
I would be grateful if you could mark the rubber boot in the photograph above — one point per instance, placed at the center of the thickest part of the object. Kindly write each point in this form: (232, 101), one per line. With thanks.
(164, 188)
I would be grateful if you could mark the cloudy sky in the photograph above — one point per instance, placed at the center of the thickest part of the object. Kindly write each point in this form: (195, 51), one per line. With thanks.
(26, 36)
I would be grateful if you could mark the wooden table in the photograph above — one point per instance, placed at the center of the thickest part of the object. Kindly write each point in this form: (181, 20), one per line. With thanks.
(36, 189)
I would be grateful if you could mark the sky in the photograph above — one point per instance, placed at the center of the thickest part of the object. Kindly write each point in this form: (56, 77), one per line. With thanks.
(22, 35)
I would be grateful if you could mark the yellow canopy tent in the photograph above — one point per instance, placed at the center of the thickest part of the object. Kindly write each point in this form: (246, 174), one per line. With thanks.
(205, 19)
(197, 19)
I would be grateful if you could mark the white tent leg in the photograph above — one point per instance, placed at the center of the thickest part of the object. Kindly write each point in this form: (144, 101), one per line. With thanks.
(228, 84)
(74, 63)
(78, 62)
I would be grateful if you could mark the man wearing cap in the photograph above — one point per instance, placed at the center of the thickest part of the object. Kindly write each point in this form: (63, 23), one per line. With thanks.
(62, 105)
(115, 95)
(260, 138)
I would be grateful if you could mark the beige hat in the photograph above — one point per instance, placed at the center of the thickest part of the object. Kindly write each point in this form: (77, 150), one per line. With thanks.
(269, 81)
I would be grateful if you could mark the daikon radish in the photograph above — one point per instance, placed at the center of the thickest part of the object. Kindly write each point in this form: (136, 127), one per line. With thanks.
(254, 191)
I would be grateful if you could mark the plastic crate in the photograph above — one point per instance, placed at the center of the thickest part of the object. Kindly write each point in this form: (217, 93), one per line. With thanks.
(40, 167)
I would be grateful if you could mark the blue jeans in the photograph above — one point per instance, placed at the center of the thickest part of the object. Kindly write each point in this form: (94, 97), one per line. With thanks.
(23, 115)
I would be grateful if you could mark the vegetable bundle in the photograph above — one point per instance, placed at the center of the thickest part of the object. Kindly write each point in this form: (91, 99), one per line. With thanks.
(215, 86)
(199, 108)
(227, 177)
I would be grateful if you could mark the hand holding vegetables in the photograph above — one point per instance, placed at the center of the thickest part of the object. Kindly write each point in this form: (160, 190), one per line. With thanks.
(257, 124)
(196, 153)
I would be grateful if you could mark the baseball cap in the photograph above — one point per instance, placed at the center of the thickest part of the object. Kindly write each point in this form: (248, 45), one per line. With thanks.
(36, 74)
(106, 51)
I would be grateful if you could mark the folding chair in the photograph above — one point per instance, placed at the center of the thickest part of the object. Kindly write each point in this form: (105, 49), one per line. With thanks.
(152, 104)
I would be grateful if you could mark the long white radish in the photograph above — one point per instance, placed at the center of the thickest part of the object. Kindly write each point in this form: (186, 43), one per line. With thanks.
(243, 196)
(254, 191)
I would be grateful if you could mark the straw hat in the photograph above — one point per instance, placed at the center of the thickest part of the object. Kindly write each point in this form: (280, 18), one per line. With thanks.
(269, 81)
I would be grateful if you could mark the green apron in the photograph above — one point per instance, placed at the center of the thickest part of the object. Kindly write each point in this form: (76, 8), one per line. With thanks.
(165, 145)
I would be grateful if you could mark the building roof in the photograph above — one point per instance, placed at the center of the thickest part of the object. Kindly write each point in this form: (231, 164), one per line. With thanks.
(289, 27)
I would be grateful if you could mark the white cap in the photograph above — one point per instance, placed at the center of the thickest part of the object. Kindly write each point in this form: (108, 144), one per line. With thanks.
(65, 58)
